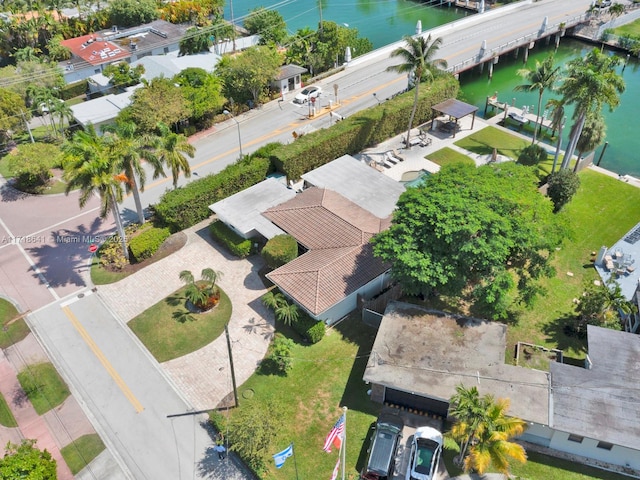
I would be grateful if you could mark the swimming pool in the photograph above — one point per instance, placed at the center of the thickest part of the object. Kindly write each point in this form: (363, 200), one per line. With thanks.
(414, 178)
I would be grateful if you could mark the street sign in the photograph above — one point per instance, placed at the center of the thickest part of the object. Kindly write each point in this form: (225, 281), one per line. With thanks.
(93, 248)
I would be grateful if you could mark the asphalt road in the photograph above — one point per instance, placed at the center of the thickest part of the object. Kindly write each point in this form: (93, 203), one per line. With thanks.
(111, 374)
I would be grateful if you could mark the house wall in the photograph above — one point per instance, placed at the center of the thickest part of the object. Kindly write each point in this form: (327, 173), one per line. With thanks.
(349, 303)
(548, 437)
(77, 74)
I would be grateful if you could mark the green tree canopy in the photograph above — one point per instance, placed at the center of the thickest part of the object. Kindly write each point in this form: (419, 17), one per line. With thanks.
(162, 97)
(563, 185)
(473, 229)
(25, 461)
(129, 13)
(601, 305)
(11, 108)
(202, 92)
(195, 40)
(121, 74)
(247, 76)
(269, 24)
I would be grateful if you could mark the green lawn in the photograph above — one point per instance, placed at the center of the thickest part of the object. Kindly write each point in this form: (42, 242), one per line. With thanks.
(14, 332)
(6, 417)
(629, 29)
(325, 376)
(167, 336)
(79, 453)
(447, 155)
(543, 467)
(484, 141)
(102, 276)
(44, 386)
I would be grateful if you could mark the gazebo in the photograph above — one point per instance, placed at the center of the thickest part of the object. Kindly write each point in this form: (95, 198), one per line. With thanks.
(456, 110)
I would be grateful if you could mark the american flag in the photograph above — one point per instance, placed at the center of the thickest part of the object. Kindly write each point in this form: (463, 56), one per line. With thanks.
(335, 435)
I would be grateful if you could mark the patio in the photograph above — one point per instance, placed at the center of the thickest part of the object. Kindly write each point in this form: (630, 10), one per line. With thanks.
(618, 262)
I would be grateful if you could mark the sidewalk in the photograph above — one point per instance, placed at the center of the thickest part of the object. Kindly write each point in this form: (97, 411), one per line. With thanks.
(203, 376)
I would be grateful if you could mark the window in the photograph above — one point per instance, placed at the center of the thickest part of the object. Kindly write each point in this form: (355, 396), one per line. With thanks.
(605, 445)
(575, 438)
(166, 50)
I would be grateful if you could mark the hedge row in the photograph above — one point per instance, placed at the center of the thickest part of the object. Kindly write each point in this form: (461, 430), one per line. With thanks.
(73, 90)
(147, 243)
(185, 206)
(280, 250)
(362, 130)
(240, 247)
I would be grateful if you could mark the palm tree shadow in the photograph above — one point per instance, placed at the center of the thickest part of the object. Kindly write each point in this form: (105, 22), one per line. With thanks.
(560, 330)
(174, 300)
(10, 194)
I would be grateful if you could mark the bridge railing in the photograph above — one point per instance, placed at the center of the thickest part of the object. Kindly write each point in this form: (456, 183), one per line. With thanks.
(488, 54)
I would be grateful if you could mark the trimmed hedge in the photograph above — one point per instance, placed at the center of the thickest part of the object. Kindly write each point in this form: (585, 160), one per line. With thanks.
(240, 247)
(185, 206)
(310, 329)
(280, 250)
(73, 90)
(362, 130)
(147, 243)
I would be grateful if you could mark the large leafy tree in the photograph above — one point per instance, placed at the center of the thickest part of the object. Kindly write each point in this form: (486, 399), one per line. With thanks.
(542, 77)
(121, 74)
(483, 431)
(24, 76)
(27, 462)
(563, 185)
(269, 24)
(195, 40)
(11, 109)
(129, 13)
(601, 305)
(91, 165)
(248, 75)
(486, 230)
(418, 60)
(203, 93)
(591, 83)
(162, 97)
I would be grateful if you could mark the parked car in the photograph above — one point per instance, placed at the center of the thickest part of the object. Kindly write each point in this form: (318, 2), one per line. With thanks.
(381, 459)
(604, 3)
(425, 454)
(307, 94)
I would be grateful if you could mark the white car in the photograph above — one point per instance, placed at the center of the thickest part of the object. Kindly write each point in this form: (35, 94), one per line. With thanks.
(426, 449)
(307, 94)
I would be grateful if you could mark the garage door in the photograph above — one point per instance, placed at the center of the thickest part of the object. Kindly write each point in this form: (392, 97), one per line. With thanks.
(410, 400)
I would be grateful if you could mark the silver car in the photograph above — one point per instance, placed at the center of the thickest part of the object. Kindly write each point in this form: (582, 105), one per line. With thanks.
(426, 449)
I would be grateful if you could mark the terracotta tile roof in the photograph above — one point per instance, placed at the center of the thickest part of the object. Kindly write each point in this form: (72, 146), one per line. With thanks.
(339, 261)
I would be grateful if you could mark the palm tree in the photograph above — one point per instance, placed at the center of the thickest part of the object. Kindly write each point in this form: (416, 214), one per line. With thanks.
(419, 61)
(61, 110)
(541, 78)
(591, 83)
(287, 313)
(204, 293)
(170, 149)
(593, 134)
(483, 431)
(557, 113)
(132, 149)
(89, 164)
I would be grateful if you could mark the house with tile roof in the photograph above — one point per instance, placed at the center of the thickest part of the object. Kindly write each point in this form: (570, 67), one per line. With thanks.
(592, 412)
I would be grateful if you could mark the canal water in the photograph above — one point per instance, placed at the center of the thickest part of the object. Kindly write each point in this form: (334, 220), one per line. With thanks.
(381, 21)
(623, 152)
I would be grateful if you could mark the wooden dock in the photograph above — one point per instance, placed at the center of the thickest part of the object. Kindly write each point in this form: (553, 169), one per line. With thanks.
(514, 113)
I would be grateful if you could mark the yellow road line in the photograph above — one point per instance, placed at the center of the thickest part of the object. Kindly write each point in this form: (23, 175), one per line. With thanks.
(103, 360)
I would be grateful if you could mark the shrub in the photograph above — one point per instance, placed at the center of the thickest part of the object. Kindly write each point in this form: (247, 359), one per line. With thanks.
(280, 250)
(31, 165)
(563, 185)
(532, 155)
(147, 243)
(280, 354)
(240, 247)
(110, 254)
(311, 330)
(185, 206)
(73, 90)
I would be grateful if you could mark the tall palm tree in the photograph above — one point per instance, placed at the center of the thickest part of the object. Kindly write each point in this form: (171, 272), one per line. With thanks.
(419, 61)
(542, 77)
(61, 110)
(171, 148)
(132, 148)
(593, 134)
(89, 164)
(483, 431)
(557, 113)
(591, 83)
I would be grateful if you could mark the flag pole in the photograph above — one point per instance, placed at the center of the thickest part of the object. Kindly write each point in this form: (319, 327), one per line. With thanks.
(295, 464)
(344, 442)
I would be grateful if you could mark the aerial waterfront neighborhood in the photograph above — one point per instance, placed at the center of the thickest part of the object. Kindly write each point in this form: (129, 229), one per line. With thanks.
(241, 241)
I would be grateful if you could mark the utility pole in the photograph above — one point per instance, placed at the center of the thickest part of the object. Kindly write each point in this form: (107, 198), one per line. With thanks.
(233, 26)
(320, 8)
(233, 373)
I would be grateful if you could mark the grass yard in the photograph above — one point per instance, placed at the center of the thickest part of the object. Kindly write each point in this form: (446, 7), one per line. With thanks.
(79, 453)
(6, 417)
(484, 141)
(447, 155)
(602, 211)
(102, 276)
(14, 332)
(324, 377)
(168, 335)
(543, 467)
(44, 386)
(630, 29)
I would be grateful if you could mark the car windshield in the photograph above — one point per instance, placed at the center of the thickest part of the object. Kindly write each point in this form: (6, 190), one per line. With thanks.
(306, 91)
(426, 450)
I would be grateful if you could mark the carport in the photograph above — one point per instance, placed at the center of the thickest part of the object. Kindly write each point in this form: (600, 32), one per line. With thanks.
(456, 110)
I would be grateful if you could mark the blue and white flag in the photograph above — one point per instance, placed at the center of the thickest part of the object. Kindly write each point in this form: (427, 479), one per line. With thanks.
(280, 458)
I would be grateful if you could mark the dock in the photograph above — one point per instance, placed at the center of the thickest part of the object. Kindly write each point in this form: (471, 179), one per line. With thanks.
(518, 115)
